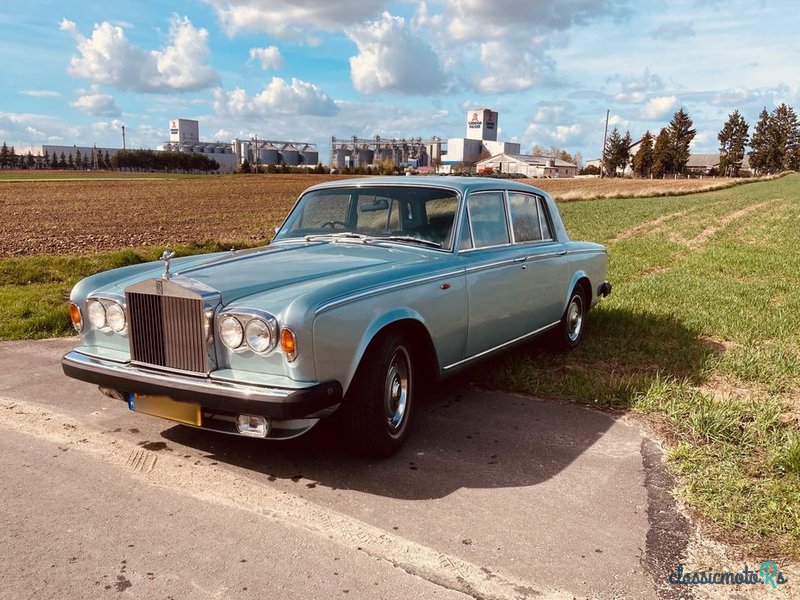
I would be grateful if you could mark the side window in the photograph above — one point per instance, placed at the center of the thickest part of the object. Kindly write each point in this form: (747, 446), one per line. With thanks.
(545, 222)
(466, 234)
(487, 215)
(524, 209)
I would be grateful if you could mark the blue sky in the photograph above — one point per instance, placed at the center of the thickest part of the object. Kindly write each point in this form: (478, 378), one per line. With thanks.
(75, 71)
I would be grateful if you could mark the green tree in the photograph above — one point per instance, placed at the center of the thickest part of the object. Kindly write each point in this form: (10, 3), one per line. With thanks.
(245, 167)
(732, 140)
(681, 134)
(785, 136)
(30, 162)
(617, 153)
(78, 159)
(13, 159)
(643, 159)
(761, 146)
(662, 154)
(4, 156)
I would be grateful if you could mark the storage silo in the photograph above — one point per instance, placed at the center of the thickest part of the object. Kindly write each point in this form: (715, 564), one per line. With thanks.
(342, 155)
(268, 155)
(364, 157)
(309, 155)
(290, 155)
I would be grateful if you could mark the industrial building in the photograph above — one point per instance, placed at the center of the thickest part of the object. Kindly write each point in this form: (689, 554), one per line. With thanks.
(184, 136)
(479, 143)
(412, 152)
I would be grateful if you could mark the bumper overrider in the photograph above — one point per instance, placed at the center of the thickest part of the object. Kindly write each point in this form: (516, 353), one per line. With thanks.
(222, 397)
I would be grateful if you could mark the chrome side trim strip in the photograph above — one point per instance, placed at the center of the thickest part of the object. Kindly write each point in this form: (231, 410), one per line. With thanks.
(335, 303)
(501, 346)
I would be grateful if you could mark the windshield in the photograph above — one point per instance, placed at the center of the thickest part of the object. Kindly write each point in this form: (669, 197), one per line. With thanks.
(416, 215)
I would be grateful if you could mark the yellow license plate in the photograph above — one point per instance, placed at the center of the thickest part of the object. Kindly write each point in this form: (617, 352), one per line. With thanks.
(167, 408)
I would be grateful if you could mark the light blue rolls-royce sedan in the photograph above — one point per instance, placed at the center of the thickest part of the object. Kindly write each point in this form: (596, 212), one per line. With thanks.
(371, 289)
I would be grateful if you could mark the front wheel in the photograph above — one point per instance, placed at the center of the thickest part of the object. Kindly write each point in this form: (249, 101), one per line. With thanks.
(569, 332)
(381, 397)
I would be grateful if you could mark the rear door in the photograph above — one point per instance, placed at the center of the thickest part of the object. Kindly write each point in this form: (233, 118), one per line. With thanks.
(498, 310)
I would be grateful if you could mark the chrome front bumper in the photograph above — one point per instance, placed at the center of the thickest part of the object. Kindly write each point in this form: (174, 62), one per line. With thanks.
(271, 402)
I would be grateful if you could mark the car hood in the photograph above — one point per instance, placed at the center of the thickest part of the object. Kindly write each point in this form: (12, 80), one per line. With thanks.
(244, 273)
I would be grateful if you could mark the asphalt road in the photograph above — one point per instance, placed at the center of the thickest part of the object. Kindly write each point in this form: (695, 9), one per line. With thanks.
(495, 496)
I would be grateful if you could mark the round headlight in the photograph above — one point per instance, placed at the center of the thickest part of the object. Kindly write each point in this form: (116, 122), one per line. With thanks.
(231, 332)
(115, 315)
(97, 314)
(258, 336)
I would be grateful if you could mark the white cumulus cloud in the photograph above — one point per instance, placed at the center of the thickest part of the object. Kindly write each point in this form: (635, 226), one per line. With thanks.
(277, 98)
(269, 58)
(660, 107)
(291, 18)
(97, 104)
(108, 57)
(391, 58)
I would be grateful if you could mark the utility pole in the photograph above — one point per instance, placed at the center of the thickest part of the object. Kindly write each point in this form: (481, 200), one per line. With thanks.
(123, 137)
(603, 155)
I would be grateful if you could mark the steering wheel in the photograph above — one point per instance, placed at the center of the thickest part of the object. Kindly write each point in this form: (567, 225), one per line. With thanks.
(331, 224)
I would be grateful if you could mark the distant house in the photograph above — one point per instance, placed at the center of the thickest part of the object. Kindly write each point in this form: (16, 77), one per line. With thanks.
(527, 165)
(704, 164)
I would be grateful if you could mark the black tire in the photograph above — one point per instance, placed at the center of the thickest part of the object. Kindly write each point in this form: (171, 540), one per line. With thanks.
(569, 332)
(378, 406)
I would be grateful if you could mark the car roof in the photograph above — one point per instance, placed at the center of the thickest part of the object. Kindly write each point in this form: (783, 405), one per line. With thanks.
(461, 184)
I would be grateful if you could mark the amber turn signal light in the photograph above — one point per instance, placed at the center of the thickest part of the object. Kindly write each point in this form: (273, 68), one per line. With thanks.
(75, 317)
(289, 344)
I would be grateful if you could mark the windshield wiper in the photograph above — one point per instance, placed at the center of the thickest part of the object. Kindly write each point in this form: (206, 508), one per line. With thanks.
(340, 236)
(408, 238)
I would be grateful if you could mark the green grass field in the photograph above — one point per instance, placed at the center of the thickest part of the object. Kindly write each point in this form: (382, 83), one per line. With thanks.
(701, 337)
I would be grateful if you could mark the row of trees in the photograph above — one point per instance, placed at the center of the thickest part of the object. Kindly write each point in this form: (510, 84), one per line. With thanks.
(774, 146)
(150, 160)
(9, 159)
(666, 154)
(132, 160)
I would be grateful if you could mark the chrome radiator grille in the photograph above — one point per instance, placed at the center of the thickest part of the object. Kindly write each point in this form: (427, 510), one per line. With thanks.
(167, 331)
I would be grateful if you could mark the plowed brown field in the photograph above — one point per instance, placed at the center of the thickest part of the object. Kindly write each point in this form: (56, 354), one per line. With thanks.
(93, 214)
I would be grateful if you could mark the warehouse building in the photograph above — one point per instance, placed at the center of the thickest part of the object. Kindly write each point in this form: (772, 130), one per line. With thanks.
(527, 165)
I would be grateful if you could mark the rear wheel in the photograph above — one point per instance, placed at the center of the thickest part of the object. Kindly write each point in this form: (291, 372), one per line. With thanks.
(381, 397)
(569, 332)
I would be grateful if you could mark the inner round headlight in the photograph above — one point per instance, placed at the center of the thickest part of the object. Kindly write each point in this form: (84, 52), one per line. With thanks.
(115, 315)
(258, 336)
(231, 332)
(97, 314)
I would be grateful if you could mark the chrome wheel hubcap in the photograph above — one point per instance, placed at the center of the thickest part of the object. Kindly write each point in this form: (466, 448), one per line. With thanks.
(396, 390)
(575, 319)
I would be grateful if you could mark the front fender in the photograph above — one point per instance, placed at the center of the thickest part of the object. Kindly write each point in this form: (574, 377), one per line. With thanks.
(338, 349)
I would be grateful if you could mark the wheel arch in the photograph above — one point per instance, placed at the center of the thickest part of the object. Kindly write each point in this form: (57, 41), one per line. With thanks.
(410, 324)
(580, 280)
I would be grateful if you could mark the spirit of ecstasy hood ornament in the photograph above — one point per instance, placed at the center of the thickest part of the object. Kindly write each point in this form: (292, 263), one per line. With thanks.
(166, 257)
